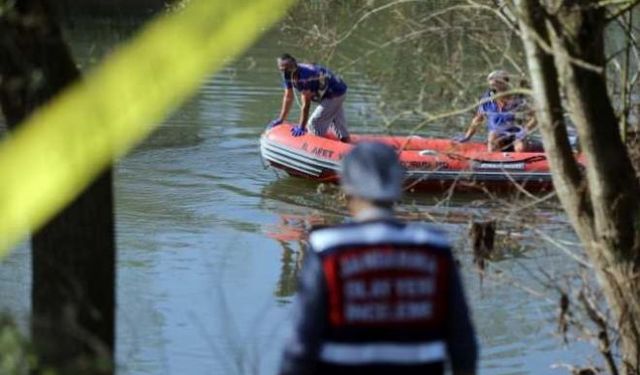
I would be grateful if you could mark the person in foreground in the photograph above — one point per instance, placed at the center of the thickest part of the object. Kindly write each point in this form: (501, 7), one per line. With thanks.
(508, 116)
(378, 295)
(315, 83)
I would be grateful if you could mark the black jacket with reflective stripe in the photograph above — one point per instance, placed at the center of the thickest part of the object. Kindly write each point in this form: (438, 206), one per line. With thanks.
(378, 297)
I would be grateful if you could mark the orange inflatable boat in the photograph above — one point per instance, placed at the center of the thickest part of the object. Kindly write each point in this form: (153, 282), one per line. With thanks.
(432, 164)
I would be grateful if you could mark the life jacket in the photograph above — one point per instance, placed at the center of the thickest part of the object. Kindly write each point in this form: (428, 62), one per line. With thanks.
(388, 294)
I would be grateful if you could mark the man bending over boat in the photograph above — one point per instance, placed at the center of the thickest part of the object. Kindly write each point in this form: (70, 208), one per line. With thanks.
(508, 116)
(315, 83)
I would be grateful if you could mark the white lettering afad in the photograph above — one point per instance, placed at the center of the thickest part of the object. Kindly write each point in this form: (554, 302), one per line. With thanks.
(376, 260)
(380, 312)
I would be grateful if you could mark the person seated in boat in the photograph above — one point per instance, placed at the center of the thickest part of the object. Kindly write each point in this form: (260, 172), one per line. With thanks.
(318, 84)
(508, 116)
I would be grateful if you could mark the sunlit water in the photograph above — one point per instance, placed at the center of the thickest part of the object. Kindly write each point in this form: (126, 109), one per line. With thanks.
(209, 240)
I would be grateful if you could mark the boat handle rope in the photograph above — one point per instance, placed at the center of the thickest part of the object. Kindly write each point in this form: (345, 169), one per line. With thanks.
(530, 159)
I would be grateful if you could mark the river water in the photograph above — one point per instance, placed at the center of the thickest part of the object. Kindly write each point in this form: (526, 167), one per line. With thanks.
(209, 240)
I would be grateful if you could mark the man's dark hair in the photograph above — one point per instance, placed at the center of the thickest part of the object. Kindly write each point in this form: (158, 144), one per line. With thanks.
(286, 56)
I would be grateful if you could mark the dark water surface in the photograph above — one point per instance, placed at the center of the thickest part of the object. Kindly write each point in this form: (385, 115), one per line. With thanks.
(209, 240)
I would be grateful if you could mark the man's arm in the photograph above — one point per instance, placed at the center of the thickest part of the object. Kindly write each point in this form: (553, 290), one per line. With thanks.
(287, 99)
(304, 111)
(477, 120)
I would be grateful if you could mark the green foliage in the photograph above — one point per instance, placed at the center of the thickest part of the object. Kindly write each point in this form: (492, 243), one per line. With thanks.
(15, 355)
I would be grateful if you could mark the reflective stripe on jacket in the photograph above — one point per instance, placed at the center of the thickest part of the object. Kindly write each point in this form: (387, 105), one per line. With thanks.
(364, 354)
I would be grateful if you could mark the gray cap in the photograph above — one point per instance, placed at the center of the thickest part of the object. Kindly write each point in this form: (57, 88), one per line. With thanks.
(499, 75)
(372, 171)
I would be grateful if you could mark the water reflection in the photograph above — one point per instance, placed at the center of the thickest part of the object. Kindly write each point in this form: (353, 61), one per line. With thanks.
(291, 260)
(324, 205)
(290, 232)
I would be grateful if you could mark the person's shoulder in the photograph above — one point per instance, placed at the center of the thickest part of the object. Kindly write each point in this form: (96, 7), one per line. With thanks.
(322, 235)
(485, 101)
(344, 231)
(306, 68)
(487, 95)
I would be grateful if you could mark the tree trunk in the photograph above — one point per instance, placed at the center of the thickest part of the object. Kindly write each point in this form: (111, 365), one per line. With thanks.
(567, 46)
(73, 258)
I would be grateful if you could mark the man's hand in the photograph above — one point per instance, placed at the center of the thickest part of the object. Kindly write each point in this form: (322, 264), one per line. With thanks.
(298, 130)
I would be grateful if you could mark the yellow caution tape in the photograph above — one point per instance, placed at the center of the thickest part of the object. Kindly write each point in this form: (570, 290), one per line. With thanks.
(59, 150)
